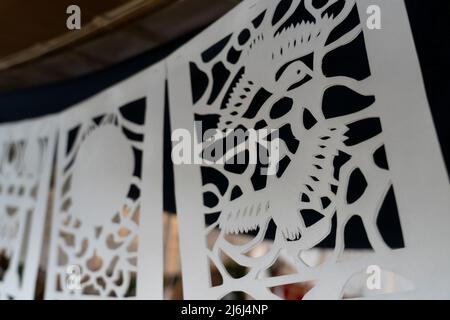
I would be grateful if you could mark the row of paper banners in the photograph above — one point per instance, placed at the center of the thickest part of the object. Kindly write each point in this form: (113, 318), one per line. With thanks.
(348, 105)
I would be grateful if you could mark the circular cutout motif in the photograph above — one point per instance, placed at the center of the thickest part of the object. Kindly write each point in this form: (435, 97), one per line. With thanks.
(101, 177)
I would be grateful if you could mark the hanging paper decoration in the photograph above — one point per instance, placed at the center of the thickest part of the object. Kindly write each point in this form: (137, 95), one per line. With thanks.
(350, 133)
(26, 155)
(107, 231)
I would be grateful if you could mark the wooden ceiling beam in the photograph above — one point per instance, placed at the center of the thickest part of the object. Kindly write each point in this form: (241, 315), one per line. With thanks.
(111, 19)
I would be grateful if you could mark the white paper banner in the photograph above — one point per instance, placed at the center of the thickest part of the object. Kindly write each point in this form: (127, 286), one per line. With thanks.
(354, 141)
(107, 221)
(26, 156)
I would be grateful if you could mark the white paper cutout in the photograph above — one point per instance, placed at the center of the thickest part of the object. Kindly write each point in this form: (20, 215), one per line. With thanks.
(265, 64)
(107, 220)
(26, 156)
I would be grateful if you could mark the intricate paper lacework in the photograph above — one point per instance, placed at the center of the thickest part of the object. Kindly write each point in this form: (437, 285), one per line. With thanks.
(25, 158)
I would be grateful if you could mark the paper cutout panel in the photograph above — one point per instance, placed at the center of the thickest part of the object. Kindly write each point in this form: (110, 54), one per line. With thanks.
(304, 70)
(26, 155)
(106, 239)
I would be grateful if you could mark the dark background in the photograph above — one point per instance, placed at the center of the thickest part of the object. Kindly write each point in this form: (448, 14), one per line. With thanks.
(429, 22)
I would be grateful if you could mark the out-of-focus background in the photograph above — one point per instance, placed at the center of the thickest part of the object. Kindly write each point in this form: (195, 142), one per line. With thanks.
(37, 48)
(45, 68)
